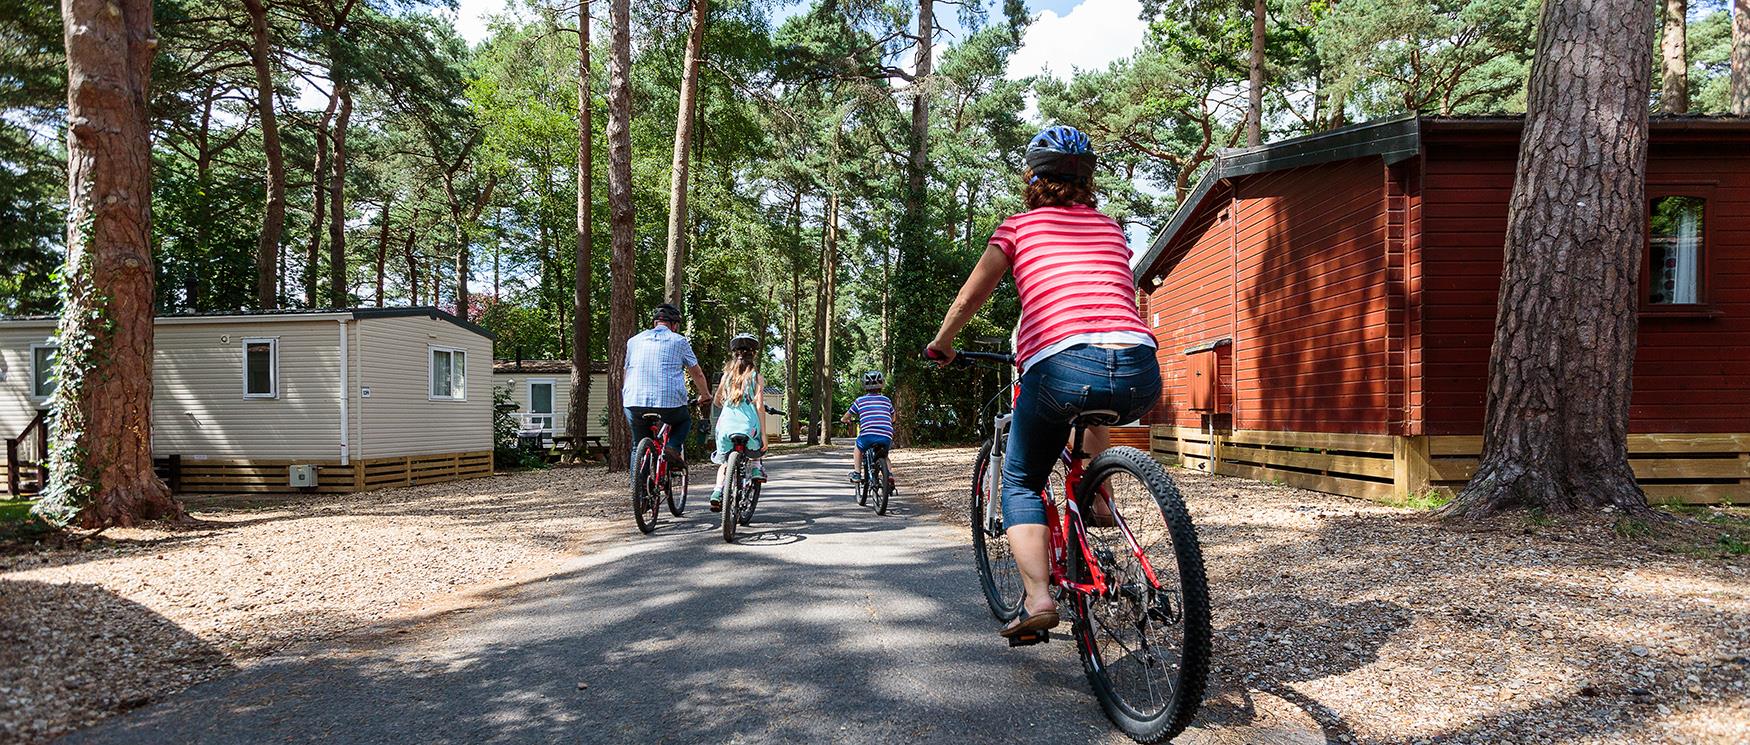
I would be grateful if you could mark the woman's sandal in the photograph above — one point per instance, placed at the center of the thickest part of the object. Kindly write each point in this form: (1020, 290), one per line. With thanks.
(1030, 624)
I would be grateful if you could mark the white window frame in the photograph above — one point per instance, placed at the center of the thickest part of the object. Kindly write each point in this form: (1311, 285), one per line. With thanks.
(457, 393)
(34, 393)
(273, 366)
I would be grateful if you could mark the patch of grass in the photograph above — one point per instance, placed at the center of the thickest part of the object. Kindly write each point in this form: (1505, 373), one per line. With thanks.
(1631, 527)
(1536, 516)
(1733, 524)
(15, 510)
(1426, 499)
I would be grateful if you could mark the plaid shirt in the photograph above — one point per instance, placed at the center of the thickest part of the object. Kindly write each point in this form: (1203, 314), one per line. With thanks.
(656, 364)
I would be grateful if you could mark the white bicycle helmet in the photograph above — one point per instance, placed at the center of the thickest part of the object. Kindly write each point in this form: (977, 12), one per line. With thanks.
(873, 380)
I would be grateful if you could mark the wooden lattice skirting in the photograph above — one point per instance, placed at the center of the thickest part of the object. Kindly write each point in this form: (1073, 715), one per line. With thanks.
(1672, 468)
(191, 476)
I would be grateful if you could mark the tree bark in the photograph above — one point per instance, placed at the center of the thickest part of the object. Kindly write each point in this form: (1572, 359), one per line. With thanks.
(1673, 51)
(577, 422)
(100, 458)
(793, 330)
(337, 289)
(412, 261)
(1555, 436)
(383, 247)
(1255, 88)
(823, 323)
(274, 218)
(622, 259)
(1740, 87)
(675, 278)
(318, 206)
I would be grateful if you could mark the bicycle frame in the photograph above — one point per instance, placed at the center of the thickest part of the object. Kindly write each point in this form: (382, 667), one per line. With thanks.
(659, 434)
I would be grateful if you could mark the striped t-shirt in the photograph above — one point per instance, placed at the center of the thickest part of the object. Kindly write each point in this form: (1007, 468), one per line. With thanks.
(874, 413)
(1072, 269)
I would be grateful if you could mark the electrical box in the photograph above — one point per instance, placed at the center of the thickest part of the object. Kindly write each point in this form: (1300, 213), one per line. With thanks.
(1203, 372)
(301, 476)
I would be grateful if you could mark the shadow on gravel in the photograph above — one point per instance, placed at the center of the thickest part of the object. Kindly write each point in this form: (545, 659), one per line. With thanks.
(79, 652)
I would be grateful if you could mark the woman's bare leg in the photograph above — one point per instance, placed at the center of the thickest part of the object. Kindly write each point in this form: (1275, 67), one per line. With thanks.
(1031, 546)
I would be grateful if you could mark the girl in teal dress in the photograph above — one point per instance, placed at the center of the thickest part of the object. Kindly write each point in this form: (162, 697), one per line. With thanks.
(742, 395)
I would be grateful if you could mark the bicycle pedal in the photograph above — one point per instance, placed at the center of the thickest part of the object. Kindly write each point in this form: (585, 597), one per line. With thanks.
(1028, 640)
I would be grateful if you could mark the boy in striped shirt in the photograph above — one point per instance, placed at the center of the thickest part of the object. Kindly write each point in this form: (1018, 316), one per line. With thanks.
(874, 415)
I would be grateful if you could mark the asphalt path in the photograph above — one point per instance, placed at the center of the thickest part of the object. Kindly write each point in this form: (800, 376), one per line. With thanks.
(824, 622)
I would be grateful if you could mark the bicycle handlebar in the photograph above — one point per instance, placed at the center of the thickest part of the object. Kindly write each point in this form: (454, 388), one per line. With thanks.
(963, 358)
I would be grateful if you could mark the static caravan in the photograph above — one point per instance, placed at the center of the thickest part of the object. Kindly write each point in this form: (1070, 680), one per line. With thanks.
(1325, 307)
(323, 400)
(541, 390)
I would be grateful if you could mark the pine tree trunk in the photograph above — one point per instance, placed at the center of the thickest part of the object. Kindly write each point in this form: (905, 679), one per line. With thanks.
(412, 261)
(823, 323)
(1555, 436)
(383, 247)
(675, 278)
(914, 252)
(1674, 88)
(577, 422)
(1255, 88)
(337, 288)
(622, 259)
(1740, 87)
(318, 207)
(793, 330)
(273, 221)
(100, 459)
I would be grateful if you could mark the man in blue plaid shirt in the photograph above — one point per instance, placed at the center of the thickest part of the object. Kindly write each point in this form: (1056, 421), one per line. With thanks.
(655, 361)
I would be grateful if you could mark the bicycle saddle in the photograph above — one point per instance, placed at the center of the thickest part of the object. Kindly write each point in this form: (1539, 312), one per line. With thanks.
(738, 439)
(652, 417)
(1096, 418)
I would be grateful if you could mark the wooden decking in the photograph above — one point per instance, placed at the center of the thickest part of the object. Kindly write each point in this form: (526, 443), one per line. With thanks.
(1672, 468)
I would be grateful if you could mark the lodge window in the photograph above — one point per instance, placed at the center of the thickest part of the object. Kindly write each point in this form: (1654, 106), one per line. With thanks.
(449, 374)
(1677, 250)
(42, 369)
(261, 362)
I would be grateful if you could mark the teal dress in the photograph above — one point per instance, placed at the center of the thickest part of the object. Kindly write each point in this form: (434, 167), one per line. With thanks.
(740, 418)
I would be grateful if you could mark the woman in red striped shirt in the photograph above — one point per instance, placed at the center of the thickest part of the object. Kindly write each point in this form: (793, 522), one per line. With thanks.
(1081, 344)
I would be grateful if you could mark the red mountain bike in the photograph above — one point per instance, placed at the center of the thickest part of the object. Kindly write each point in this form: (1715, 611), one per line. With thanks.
(1135, 592)
(651, 476)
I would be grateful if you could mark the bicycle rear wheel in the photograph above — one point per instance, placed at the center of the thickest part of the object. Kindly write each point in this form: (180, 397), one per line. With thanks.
(732, 496)
(1144, 643)
(644, 499)
(990, 546)
(863, 482)
(752, 500)
(883, 484)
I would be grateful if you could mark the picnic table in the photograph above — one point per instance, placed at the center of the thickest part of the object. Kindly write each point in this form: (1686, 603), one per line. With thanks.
(594, 445)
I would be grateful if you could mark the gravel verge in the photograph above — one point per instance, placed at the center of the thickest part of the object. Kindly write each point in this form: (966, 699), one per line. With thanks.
(1388, 627)
(109, 624)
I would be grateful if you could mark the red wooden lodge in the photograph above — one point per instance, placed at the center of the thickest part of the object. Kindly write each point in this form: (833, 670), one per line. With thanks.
(1325, 305)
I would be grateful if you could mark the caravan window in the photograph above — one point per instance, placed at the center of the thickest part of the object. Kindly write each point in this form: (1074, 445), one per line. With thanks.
(449, 374)
(261, 362)
(1676, 250)
(42, 369)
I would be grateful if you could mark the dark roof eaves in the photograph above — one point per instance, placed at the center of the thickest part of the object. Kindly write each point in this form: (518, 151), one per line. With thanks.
(421, 310)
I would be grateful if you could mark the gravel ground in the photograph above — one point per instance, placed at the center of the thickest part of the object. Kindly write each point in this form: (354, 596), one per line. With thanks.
(1387, 627)
(134, 615)
(1382, 625)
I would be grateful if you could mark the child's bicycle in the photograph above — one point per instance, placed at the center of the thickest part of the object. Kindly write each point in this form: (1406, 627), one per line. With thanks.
(877, 481)
(742, 494)
(1135, 593)
(652, 477)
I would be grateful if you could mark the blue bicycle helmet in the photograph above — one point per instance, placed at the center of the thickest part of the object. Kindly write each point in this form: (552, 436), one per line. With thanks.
(1060, 153)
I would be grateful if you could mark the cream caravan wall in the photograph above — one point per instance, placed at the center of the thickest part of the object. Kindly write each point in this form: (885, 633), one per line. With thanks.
(17, 406)
(518, 383)
(392, 357)
(198, 408)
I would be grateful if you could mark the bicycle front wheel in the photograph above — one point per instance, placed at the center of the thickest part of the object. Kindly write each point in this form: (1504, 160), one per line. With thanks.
(732, 496)
(644, 498)
(997, 572)
(677, 493)
(1144, 642)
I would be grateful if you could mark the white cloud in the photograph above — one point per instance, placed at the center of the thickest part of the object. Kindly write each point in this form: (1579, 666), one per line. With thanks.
(472, 15)
(1091, 36)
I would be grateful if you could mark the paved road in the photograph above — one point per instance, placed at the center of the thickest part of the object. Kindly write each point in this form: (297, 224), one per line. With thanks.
(824, 623)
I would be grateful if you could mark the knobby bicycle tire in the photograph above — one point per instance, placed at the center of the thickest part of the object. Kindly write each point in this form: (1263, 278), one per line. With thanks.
(732, 496)
(990, 552)
(1193, 665)
(863, 483)
(643, 490)
(884, 486)
(752, 500)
